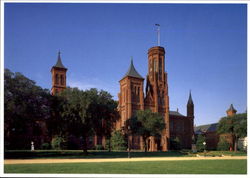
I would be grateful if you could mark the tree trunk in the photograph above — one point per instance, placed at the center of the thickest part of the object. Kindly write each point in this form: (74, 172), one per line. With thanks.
(109, 145)
(84, 146)
(145, 144)
(235, 144)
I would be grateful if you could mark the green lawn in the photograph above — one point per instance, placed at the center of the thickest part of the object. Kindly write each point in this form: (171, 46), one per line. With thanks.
(27, 154)
(147, 167)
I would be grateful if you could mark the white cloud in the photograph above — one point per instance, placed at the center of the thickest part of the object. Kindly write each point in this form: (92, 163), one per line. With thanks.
(84, 83)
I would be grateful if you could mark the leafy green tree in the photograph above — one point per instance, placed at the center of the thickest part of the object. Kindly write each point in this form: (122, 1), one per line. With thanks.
(56, 125)
(88, 112)
(235, 125)
(223, 145)
(74, 114)
(199, 143)
(25, 104)
(118, 141)
(146, 123)
(58, 143)
(103, 111)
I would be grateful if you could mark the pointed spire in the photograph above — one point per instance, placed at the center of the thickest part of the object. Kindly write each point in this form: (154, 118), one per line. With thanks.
(59, 61)
(132, 71)
(190, 100)
(231, 108)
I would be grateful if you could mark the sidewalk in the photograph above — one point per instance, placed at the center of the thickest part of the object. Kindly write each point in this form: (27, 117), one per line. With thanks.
(34, 161)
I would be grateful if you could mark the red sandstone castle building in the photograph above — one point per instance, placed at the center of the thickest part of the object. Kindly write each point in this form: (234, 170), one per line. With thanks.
(132, 98)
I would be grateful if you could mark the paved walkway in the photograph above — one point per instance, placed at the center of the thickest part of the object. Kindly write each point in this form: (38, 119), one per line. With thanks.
(33, 161)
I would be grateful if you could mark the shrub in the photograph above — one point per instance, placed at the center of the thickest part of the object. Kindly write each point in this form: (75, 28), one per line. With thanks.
(46, 146)
(175, 143)
(223, 145)
(118, 141)
(199, 143)
(108, 144)
(99, 147)
(58, 143)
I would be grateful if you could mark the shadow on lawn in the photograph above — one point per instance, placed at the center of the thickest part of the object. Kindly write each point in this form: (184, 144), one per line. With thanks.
(22, 154)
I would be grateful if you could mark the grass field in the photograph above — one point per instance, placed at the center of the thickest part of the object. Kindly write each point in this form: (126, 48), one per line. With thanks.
(27, 154)
(150, 167)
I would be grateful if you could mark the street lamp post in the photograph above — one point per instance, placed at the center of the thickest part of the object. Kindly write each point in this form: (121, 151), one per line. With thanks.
(128, 143)
(204, 143)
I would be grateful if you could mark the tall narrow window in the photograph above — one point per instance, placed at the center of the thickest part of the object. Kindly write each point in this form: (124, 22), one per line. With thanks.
(155, 65)
(62, 80)
(160, 69)
(151, 69)
(57, 79)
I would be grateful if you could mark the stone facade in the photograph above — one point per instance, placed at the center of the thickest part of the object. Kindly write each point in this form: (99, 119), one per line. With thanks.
(131, 99)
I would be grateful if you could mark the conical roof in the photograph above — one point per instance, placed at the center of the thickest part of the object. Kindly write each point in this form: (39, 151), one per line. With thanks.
(231, 108)
(190, 100)
(132, 72)
(59, 62)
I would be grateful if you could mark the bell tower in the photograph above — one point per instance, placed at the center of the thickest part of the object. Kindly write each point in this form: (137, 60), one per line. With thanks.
(130, 96)
(190, 117)
(157, 99)
(231, 111)
(190, 107)
(58, 72)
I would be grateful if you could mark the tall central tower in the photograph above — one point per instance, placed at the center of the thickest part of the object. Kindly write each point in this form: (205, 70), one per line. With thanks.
(157, 99)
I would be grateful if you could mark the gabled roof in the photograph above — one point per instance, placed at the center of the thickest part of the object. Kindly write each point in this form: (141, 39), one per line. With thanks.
(206, 128)
(132, 72)
(176, 113)
(59, 62)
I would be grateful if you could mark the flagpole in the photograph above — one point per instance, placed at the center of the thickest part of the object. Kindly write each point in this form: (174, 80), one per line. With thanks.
(158, 34)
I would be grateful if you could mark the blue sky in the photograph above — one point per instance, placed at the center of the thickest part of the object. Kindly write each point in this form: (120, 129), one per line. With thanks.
(206, 48)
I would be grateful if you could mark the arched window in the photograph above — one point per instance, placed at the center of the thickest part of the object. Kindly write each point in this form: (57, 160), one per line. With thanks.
(57, 79)
(62, 80)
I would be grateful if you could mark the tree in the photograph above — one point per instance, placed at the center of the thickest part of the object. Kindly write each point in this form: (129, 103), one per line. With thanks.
(223, 144)
(88, 112)
(25, 106)
(118, 141)
(146, 123)
(74, 114)
(104, 119)
(235, 125)
(199, 143)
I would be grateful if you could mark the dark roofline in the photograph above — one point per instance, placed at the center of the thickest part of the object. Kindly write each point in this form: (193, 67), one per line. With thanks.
(176, 113)
(231, 108)
(132, 72)
(59, 62)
